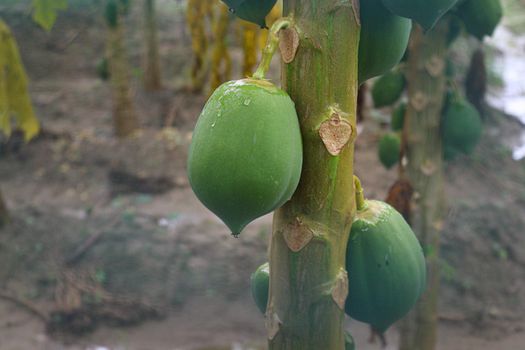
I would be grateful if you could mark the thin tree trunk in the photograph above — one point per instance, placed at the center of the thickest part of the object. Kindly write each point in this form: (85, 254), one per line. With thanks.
(152, 78)
(4, 214)
(221, 61)
(424, 170)
(196, 13)
(124, 118)
(308, 281)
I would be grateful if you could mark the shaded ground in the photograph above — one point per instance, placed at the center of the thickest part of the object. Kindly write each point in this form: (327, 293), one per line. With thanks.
(164, 272)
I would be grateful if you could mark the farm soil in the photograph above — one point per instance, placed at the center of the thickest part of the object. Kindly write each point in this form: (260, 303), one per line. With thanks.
(164, 273)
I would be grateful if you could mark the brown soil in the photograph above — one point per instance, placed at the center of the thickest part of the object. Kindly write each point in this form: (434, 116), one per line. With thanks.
(161, 252)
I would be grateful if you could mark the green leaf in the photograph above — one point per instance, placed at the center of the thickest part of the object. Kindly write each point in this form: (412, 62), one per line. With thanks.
(45, 12)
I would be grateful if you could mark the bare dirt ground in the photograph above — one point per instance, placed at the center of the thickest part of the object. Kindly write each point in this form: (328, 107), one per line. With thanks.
(164, 272)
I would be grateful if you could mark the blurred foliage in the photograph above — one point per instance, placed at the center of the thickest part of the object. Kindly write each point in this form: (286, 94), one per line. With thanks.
(15, 103)
(45, 12)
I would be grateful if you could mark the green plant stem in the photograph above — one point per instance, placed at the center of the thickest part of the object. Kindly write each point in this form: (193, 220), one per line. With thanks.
(271, 46)
(306, 281)
(360, 203)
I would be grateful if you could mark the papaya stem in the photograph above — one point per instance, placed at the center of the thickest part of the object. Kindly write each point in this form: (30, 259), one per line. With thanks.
(360, 202)
(271, 46)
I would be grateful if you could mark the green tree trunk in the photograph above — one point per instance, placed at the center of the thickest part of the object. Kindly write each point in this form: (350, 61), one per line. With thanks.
(4, 214)
(424, 170)
(308, 281)
(151, 78)
(124, 117)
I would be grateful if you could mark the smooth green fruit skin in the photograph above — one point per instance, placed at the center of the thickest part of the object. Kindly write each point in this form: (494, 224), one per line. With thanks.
(389, 149)
(385, 264)
(388, 89)
(384, 39)
(424, 12)
(260, 285)
(254, 11)
(481, 17)
(245, 157)
(398, 117)
(462, 126)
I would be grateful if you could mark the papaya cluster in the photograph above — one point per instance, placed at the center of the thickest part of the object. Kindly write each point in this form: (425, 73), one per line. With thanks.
(385, 264)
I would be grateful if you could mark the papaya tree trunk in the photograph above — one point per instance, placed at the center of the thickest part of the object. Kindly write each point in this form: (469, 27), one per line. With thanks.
(424, 170)
(196, 12)
(4, 214)
(308, 281)
(249, 33)
(124, 117)
(152, 80)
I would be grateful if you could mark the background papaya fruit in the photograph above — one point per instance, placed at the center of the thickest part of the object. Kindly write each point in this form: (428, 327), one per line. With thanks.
(388, 89)
(424, 12)
(389, 149)
(384, 39)
(461, 126)
(398, 117)
(481, 17)
(245, 157)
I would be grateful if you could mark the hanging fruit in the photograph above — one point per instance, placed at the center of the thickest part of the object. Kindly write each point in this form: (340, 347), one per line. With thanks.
(481, 17)
(260, 284)
(385, 264)
(384, 39)
(388, 89)
(245, 158)
(424, 12)
(389, 149)
(398, 117)
(254, 11)
(462, 127)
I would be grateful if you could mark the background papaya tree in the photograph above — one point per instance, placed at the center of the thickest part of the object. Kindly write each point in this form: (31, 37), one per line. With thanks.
(435, 124)
(125, 119)
(152, 72)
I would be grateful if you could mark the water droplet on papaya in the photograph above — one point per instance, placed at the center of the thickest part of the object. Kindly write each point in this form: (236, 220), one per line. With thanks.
(247, 102)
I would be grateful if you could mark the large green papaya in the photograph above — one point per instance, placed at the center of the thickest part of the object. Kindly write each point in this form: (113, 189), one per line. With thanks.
(245, 157)
(398, 117)
(385, 264)
(254, 11)
(260, 284)
(389, 149)
(481, 17)
(461, 126)
(384, 39)
(424, 12)
(388, 89)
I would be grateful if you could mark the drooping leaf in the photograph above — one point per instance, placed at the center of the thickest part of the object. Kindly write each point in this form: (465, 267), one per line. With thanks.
(15, 104)
(254, 11)
(45, 12)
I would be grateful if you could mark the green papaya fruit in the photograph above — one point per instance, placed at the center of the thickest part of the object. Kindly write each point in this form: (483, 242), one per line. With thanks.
(384, 39)
(455, 29)
(103, 69)
(111, 13)
(389, 149)
(461, 126)
(385, 264)
(449, 153)
(398, 117)
(388, 89)
(260, 285)
(481, 17)
(245, 157)
(424, 12)
(349, 342)
(254, 11)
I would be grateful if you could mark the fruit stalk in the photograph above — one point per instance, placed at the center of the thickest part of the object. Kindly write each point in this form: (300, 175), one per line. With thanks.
(271, 46)
(424, 170)
(308, 282)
